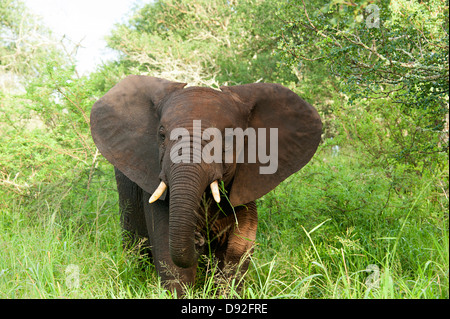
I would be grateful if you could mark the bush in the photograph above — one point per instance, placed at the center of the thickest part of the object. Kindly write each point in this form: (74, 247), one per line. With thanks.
(391, 61)
(345, 226)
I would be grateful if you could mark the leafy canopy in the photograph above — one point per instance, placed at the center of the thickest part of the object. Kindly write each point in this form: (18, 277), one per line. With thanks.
(391, 60)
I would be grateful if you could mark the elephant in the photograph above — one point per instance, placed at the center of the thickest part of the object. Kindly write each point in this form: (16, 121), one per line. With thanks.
(186, 207)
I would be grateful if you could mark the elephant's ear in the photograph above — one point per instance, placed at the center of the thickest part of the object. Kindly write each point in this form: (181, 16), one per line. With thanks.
(124, 124)
(299, 133)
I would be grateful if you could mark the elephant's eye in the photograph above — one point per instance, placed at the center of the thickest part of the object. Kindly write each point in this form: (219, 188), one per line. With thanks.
(162, 134)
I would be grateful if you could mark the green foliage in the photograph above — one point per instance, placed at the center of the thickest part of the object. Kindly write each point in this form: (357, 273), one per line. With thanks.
(47, 155)
(334, 230)
(344, 217)
(345, 226)
(392, 63)
(25, 44)
(202, 42)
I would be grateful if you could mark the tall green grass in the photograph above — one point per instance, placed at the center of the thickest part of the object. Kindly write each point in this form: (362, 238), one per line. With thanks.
(337, 229)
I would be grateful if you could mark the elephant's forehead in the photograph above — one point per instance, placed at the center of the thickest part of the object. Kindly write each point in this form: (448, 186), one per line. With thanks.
(200, 103)
(198, 97)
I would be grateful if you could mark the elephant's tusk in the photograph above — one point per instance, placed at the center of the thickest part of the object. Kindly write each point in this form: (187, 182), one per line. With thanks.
(158, 192)
(215, 191)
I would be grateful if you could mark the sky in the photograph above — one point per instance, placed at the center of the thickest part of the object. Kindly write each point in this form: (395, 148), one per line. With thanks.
(85, 21)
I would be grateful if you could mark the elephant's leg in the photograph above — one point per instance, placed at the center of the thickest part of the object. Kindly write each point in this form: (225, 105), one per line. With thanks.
(132, 217)
(241, 239)
(173, 277)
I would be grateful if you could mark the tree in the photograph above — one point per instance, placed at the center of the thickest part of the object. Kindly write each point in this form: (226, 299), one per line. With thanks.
(26, 45)
(45, 140)
(392, 62)
(202, 42)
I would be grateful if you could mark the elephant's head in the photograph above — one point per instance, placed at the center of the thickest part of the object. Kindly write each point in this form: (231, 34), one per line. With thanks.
(141, 124)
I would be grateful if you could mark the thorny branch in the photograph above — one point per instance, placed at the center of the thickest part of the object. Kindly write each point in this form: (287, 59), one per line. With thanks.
(417, 69)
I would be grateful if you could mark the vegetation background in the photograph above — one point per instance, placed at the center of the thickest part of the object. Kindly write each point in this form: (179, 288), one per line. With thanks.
(366, 218)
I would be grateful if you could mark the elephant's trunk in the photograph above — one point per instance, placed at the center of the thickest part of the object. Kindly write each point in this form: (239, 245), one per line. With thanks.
(186, 189)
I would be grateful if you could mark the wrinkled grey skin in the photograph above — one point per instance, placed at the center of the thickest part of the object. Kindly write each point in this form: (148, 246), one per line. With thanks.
(131, 126)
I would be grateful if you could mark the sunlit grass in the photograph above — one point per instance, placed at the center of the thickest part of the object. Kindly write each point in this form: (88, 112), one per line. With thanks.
(327, 232)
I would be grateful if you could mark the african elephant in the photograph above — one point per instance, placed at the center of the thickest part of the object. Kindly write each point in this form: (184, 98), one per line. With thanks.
(135, 125)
